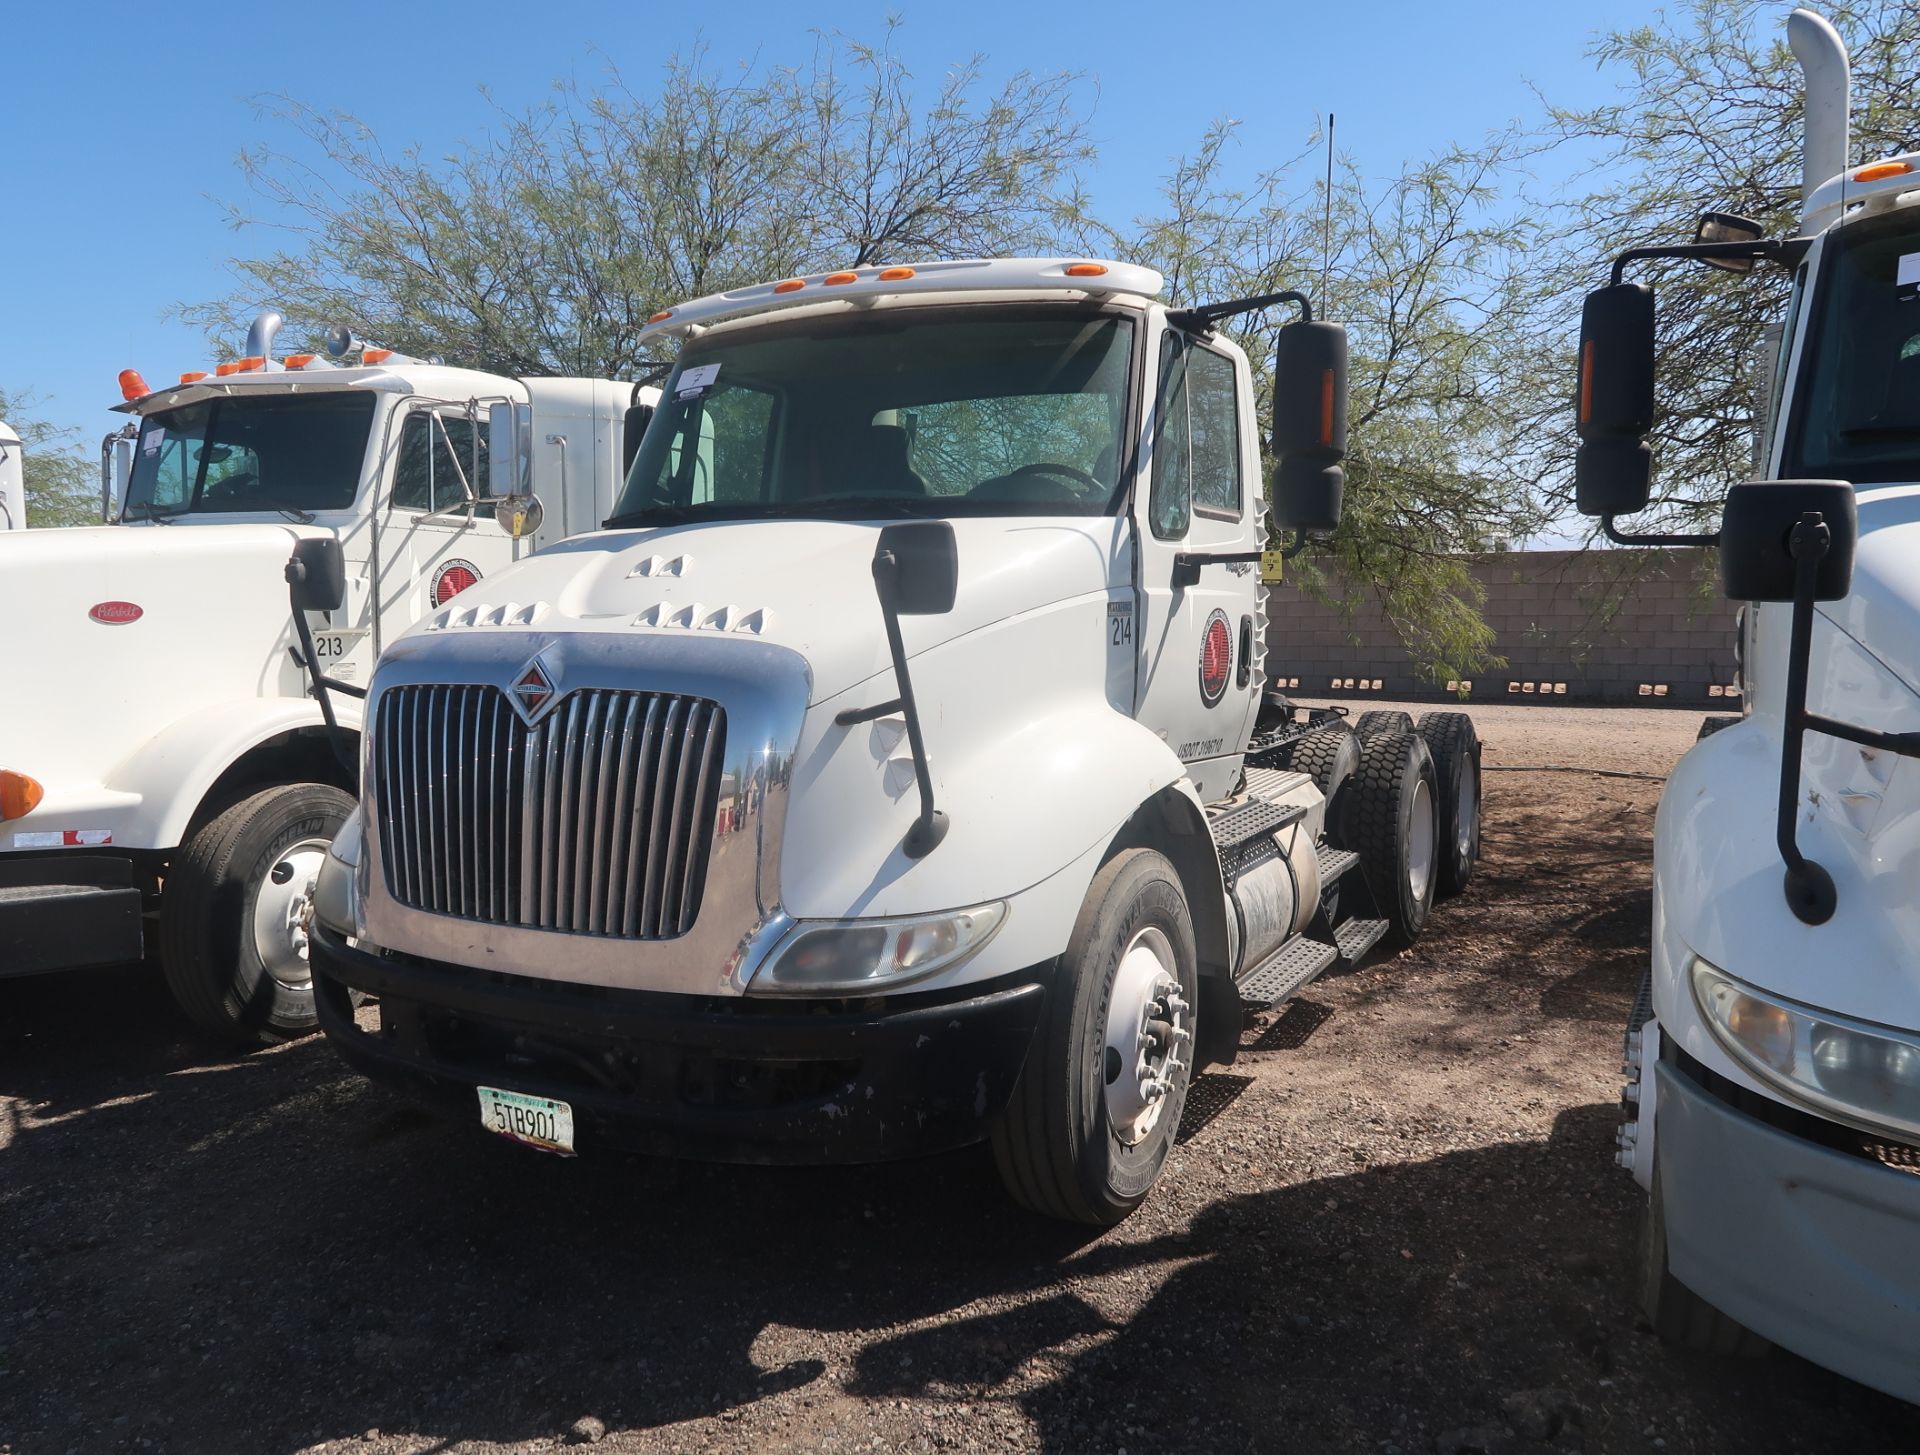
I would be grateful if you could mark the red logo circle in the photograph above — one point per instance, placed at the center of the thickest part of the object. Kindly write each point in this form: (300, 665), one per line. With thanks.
(1216, 658)
(116, 613)
(452, 579)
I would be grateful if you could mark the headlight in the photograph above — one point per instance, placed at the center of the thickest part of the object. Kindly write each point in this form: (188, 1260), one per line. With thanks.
(336, 889)
(1857, 1072)
(871, 957)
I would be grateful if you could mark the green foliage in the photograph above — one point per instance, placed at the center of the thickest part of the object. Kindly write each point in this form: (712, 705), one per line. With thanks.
(62, 484)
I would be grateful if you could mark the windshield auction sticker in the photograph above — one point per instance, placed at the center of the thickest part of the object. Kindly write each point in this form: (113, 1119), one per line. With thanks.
(696, 381)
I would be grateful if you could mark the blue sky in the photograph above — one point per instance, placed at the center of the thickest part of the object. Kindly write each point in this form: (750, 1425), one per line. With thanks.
(121, 123)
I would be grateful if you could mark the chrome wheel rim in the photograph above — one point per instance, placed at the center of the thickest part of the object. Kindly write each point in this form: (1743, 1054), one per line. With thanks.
(1421, 841)
(1149, 1027)
(1465, 800)
(283, 912)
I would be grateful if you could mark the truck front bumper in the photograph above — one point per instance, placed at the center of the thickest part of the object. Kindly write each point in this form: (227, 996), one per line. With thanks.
(1809, 1246)
(740, 1080)
(67, 913)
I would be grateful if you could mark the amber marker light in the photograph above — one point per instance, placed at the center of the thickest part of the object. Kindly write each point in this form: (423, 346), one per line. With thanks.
(19, 794)
(835, 280)
(193, 376)
(662, 316)
(132, 386)
(1085, 270)
(375, 356)
(895, 275)
(297, 361)
(792, 285)
(1880, 171)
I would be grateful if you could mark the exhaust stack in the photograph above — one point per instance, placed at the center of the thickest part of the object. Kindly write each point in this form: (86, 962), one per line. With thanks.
(1823, 60)
(266, 327)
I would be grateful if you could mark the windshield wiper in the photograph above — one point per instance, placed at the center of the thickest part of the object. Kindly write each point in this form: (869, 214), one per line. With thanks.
(657, 514)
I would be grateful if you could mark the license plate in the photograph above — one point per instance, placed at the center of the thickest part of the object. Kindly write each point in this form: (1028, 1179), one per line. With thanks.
(533, 1120)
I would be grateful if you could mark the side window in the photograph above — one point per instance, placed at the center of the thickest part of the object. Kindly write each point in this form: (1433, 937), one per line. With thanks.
(1213, 422)
(1170, 497)
(435, 453)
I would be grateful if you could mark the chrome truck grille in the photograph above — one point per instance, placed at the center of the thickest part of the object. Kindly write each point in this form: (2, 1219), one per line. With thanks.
(598, 820)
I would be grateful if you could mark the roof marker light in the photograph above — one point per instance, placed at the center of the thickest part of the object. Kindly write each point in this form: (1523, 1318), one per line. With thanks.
(220, 371)
(1084, 270)
(895, 275)
(249, 364)
(662, 316)
(132, 386)
(19, 794)
(375, 356)
(792, 285)
(834, 280)
(193, 376)
(1879, 171)
(298, 361)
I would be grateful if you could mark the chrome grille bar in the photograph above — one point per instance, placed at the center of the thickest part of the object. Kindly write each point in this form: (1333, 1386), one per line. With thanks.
(596, 821)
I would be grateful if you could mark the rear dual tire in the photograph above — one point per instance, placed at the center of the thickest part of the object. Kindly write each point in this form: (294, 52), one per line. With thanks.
(1390, 819)
(1455, 746)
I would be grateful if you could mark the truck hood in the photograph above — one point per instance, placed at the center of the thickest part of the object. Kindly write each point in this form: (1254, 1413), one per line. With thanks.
(1882, 613)
(110, 632)
(802, 584)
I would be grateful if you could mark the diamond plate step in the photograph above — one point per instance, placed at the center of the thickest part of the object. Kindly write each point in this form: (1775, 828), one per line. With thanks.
(1251, 819)
(1284, 973)
(1355, 937)
(1335, 862)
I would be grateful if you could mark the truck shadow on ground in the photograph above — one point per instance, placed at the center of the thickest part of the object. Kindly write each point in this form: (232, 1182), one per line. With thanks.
(270, 1254)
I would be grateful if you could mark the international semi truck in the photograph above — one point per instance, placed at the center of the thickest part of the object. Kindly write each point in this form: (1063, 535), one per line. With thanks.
(1772, 1099)
(897, 770)
(167, 781)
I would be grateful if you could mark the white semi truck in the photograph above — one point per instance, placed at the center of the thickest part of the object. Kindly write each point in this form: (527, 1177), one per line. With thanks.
(165, 777)
(1772, 1107)
(896, 771)
(13, 483)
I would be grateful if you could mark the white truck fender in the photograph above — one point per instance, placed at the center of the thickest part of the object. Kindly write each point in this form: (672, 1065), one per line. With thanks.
(171, 772)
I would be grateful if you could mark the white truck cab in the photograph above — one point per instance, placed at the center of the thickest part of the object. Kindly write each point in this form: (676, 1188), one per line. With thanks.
(167, 761)
(896, 771)
(13, 485)
(1772, 1107)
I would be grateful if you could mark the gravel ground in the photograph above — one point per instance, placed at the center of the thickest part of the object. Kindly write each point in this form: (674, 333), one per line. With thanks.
(1393, 1226)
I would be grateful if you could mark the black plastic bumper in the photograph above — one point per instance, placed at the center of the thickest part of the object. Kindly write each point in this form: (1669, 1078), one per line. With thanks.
(67, 913)
(747, 1080)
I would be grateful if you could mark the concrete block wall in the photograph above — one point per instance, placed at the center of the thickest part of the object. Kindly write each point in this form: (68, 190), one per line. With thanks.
(1606, 624)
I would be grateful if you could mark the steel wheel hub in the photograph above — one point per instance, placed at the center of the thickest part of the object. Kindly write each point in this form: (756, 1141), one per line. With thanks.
(282, 912)
(1422, 841)
(1149, 1031)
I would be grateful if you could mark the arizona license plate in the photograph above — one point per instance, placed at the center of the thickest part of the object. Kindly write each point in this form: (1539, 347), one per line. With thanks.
(534, 1120)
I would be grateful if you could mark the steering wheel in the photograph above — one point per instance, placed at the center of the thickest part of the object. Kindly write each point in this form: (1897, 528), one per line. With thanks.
(1083, 486)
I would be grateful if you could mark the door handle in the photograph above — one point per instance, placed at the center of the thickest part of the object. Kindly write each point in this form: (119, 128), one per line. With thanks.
(1186, 565)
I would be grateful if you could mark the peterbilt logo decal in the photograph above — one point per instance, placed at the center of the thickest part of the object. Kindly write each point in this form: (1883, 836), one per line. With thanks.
(534, 690)
(116, 613)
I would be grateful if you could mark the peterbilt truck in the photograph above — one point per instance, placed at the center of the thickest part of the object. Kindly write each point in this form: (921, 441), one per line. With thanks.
(1772, 1100)
(897, 770)
(166, 779)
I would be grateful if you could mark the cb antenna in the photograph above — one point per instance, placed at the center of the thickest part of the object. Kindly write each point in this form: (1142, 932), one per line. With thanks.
(1326, 224)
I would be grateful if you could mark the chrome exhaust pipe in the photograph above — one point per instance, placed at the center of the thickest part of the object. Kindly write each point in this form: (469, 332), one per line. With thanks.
(261, 335)
(1823, 60)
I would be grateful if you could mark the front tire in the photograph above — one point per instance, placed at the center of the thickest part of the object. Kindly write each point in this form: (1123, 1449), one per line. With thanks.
(1673, 1311)
(233, 937)
(1098, 1103)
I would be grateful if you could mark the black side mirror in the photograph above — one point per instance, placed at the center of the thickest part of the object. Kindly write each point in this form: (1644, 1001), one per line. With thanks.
(1310, 426)
(1728, 227)
(1613, 471)
(317, 575)
(632, 429)
(1757, 561)
(916, 567)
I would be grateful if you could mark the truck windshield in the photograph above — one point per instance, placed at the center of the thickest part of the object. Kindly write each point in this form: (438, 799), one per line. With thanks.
(890, 413)
(1859, 398)
(285, 452)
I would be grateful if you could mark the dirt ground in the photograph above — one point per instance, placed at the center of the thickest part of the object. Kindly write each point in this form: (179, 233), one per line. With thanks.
(1394, 1226)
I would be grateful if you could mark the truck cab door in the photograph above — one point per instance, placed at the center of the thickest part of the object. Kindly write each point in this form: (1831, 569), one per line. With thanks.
(437, 531)
(1198, 677)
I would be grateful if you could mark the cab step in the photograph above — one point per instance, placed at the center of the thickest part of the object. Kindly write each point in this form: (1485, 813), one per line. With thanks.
(1249, 820)
(1285, 973)
(1354, 937)
(1334, 862)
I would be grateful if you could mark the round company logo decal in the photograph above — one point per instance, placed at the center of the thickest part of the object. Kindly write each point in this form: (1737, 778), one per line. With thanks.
(116, 613)
(453, 578)
(1216, 657)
